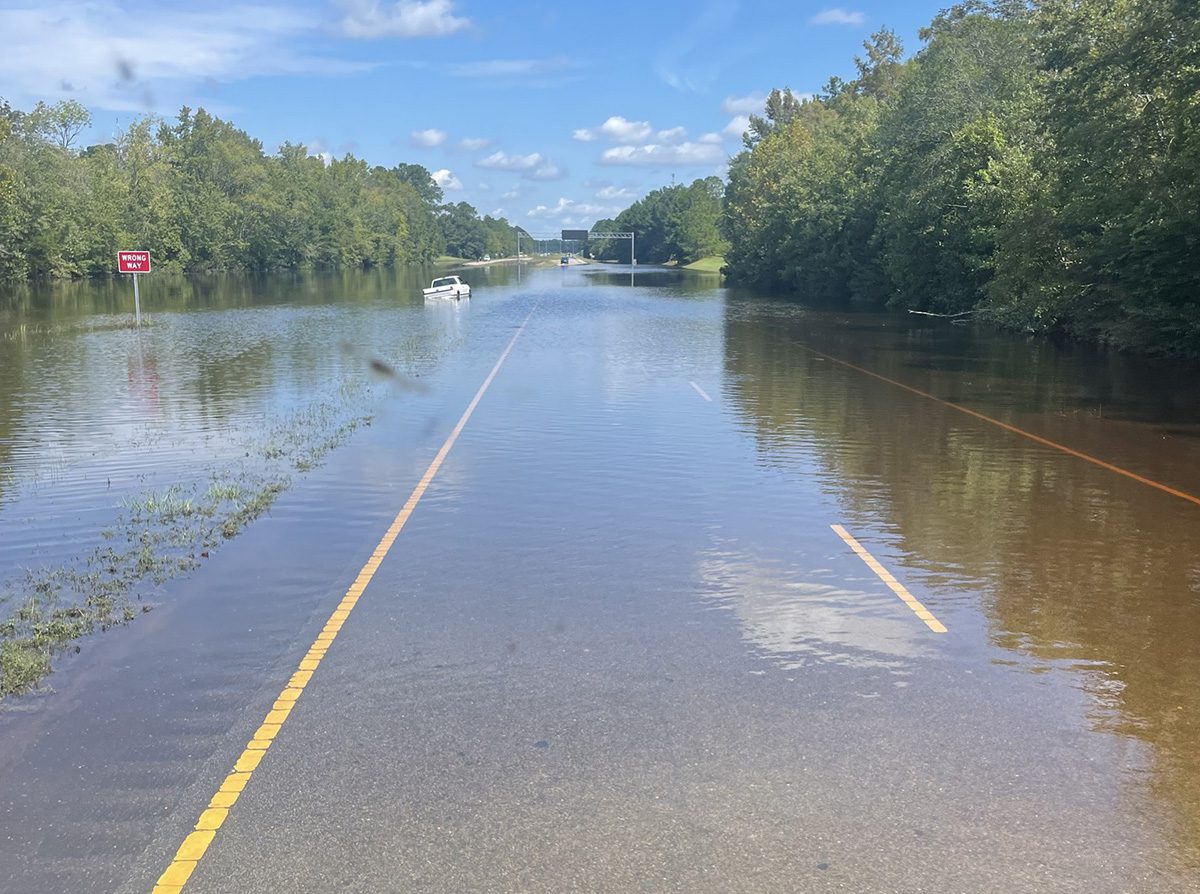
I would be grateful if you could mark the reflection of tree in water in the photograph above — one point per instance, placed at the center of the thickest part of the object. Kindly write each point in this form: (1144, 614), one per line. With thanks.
(1081, 567)
(12, 384)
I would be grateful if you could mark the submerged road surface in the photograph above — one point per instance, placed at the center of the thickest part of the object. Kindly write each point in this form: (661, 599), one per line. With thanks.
(663, 588)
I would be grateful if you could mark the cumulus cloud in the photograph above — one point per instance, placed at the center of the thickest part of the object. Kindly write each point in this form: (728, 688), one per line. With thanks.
(617, 192)
(737, 126)
(474, 144)
(674, 135)
(502, 161)
(621, 130)
(446, 180)
(568, 209)
(369, 19)
(533, 166)
(837, 16)
(428, 138)
(84, 50)
(750, 104)
(545, 172)
(618, 129)
(660, 155)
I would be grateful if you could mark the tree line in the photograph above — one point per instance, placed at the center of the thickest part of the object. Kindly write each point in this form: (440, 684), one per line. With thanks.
(202, 195)
(675, 223)
(1036, 163)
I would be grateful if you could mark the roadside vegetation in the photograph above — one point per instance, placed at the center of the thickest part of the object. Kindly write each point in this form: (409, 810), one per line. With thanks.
(1036, 164)
(202, 195)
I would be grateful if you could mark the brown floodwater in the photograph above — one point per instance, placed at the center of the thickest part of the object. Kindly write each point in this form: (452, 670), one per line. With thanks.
(652, 480)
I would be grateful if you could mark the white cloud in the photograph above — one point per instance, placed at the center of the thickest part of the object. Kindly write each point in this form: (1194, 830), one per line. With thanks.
(617, 192)
(737, 126)
(544, 211)
(406, 18)
(674, 135)
(658, 155)
(428, 138)
(837, 16)
(545, 172)
(568, 209)
(621, 130)
(498, 212)
(533, 166)
(502, 161)
(474, 144)
(87, 51)
(709, 138)
(618, 129)
(514, 193)
(750, 104)
(446, 180)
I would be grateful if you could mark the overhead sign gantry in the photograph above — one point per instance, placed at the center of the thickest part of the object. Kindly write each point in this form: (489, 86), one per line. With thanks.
(587, 235)
(577, 236)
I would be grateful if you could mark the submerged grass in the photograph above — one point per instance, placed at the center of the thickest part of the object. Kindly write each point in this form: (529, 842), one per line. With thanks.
(24, 331)
(158, 535)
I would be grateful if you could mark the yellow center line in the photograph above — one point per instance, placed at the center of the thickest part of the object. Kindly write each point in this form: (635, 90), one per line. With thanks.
(886, 576)
(196, 844)
(700, 391)
(1045, 442)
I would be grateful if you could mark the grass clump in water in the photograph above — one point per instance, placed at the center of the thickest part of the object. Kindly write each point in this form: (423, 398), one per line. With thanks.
(22, 664)
(158, 535)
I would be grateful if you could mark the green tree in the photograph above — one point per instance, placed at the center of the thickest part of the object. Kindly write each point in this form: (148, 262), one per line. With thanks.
(61, 123)
(1123, 77)
(464, 232)
(961, 104)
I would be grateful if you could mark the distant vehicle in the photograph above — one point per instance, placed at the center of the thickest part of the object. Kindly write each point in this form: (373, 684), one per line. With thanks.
(487, 257)
(564, 260)
(447, 287)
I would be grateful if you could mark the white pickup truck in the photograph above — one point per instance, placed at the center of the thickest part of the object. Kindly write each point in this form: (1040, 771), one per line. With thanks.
(447, 287)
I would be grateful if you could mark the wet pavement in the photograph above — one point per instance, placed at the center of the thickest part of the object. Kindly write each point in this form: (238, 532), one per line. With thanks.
(618, 646)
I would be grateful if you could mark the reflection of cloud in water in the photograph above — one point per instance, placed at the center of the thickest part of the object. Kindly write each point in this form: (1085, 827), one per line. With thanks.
(799, 622)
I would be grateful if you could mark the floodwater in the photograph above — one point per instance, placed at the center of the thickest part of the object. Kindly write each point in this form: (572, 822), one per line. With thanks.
(619, 646)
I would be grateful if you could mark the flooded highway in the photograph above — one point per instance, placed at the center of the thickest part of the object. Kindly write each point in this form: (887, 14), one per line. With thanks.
(594, 582)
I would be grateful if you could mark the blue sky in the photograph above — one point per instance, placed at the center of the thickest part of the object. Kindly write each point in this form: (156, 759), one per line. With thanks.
(549, 114)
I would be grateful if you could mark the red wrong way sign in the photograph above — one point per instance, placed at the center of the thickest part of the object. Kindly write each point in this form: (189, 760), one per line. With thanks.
(133, 262)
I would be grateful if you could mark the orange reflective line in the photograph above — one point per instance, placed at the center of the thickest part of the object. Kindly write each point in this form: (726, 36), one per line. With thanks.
(894, 585)
(1141, 479)
(195, 845)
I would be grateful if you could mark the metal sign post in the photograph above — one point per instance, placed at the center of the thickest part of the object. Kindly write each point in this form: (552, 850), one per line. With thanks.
(134, 262)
